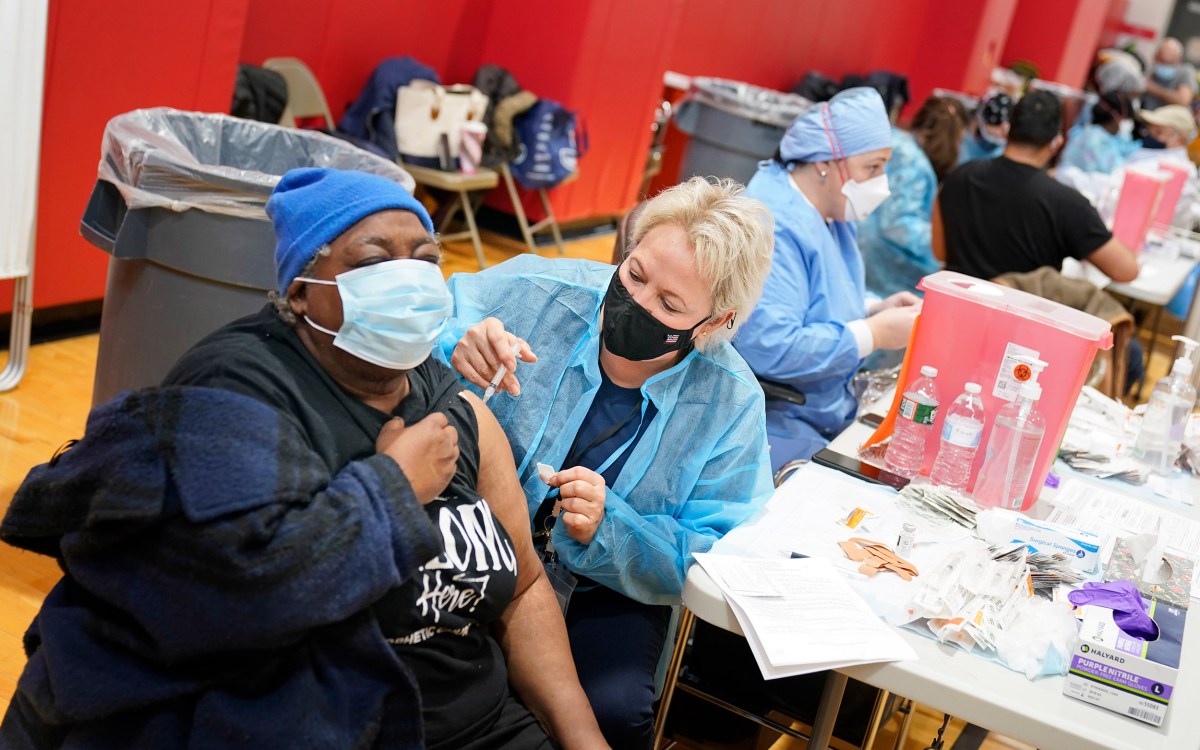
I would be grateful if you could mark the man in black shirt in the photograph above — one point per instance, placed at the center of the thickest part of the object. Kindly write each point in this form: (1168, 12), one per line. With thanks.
(996, 216)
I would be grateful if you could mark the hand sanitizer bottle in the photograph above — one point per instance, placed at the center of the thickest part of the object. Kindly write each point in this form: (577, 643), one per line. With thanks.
(1012, 447)
(1171, 402)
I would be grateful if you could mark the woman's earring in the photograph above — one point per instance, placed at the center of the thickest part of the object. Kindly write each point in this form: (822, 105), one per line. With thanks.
(822, 173)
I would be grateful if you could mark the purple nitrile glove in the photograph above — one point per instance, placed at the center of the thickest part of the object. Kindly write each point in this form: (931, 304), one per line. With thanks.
(1123, 598)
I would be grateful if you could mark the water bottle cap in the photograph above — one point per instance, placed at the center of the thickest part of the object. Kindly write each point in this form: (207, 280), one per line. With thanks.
(972, 388)
(929, 371)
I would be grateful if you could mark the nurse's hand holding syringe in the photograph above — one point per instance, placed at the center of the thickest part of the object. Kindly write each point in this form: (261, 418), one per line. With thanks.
(487, 356)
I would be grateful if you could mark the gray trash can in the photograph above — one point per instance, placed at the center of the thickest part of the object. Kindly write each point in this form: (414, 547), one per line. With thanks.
(733, 126)
(179, 207)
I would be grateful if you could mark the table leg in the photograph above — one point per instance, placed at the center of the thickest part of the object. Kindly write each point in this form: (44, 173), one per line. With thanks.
(827, 710)
(686, 619)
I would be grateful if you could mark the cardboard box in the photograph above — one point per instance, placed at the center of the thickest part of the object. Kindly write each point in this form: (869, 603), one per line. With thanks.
(1127, 675)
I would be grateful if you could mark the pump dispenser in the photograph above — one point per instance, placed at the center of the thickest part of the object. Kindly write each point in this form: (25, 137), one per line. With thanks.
(1013, 445)
(1171, 402)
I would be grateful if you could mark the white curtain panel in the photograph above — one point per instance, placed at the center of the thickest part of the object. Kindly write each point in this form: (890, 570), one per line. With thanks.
(22, 71)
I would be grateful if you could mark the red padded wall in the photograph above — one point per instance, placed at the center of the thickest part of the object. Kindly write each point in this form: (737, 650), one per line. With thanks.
(604, 58)
(103, 59)
(342, 40)
(1060, 38)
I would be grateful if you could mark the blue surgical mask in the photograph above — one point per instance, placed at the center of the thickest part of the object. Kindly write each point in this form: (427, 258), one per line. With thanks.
(392, 312)
(1165, 72)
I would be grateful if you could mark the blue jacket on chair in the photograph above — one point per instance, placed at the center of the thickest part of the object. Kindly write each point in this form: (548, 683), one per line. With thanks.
(372, 116)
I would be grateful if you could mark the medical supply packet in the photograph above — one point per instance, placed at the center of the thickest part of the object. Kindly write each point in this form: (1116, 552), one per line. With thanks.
(1124, 674)
(1083, 547)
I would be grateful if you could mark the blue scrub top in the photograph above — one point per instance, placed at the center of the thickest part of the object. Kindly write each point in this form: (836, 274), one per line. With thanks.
(797, 334)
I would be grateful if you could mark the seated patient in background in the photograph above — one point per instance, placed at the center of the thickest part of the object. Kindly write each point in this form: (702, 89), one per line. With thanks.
(308, 537)
(1002, 215)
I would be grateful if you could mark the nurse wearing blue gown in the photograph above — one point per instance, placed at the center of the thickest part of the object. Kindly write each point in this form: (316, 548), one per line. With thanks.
(650, 423)
(812, 328)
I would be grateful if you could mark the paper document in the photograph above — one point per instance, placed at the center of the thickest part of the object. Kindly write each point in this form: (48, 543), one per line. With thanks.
(1088, 507)
(813, 621)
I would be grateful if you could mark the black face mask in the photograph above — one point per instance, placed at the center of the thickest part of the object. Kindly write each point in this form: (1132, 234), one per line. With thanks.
(633, 333)
(1151, 142)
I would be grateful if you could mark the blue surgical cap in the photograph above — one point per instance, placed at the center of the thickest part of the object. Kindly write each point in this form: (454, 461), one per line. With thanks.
(311, 207)
(852, 122)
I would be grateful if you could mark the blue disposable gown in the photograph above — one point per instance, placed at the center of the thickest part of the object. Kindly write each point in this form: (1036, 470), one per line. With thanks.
(895, 238)
(797, 334)
(1094, 149)
(700, 468)
(974, 147)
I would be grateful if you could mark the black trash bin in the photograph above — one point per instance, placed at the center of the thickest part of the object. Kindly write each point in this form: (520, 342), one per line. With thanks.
(733, 126)
(179, 207)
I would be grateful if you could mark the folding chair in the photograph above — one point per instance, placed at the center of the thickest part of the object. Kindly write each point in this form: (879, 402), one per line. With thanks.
(528, 231)
(305, 98)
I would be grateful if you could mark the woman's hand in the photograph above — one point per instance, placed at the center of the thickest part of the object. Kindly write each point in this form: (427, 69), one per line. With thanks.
(483, 349)
(427, 453)
(581, 500)
(899, 299)
(890, 328)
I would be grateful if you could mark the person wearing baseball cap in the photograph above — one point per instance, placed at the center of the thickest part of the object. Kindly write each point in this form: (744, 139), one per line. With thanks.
(1170, 127)
(1169, 131)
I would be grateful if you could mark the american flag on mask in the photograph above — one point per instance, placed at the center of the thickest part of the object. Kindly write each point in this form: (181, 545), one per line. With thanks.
(672, 338)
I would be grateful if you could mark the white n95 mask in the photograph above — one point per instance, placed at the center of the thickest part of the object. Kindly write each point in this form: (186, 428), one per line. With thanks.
(864, 197)
(392, 312)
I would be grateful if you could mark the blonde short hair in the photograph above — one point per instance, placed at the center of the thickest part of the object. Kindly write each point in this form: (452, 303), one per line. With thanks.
(732, 235)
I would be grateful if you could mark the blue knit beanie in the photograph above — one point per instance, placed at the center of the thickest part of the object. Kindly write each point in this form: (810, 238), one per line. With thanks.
(312, 207)
(852, 122)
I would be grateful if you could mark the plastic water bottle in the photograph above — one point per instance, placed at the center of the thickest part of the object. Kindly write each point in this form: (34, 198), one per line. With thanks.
(914, 424)
(961, 432)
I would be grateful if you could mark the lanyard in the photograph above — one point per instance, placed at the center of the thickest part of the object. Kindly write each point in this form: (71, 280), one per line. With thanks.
(576, 453)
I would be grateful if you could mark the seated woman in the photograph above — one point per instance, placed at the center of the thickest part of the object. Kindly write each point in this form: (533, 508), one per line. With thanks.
(650, 422)
(813, 327)
(309, 537)
(895, 239)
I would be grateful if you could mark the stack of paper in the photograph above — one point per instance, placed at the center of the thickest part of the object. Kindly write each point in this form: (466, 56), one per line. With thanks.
(800, 616)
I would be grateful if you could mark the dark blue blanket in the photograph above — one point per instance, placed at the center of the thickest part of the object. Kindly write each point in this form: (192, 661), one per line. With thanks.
(372, 116)
(217, 585)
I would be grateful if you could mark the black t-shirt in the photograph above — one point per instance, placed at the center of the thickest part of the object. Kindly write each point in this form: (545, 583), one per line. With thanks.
(1001, 216)
(438, 620)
